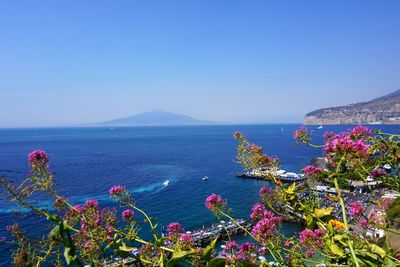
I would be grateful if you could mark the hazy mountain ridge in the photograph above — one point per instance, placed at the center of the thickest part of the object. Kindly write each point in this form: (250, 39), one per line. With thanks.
(382, 110)
(154, 118)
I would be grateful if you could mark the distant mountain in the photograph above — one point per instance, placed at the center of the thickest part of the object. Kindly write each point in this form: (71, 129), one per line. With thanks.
(154, 118)
(382, 110)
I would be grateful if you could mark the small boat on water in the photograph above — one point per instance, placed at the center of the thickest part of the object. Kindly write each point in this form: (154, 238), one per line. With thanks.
(320, 127)
(205, 178)
(166, 183)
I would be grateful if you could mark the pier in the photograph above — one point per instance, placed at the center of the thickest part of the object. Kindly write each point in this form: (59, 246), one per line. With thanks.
(201, 237)
(222, 230)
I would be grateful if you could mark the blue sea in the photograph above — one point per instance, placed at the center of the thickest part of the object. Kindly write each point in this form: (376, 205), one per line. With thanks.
(88, 161)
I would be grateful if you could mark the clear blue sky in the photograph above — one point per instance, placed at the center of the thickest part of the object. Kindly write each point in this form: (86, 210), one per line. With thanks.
(72, 62)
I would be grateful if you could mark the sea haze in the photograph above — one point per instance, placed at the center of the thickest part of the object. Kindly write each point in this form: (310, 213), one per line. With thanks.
(88, 161)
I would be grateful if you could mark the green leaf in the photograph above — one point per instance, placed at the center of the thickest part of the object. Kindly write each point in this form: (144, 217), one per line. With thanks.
(53, 218)
(290, 189)
(318, 213)
(217, 262)
(309, 220)
(125, 248)
(69, 255)
(209, 250)
(55, 231)
(389, 263)
(378, 250)
(177, 256)
(336, 249)
(338, 237)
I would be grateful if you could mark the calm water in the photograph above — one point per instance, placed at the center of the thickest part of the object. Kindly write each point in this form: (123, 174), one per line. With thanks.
(88, 161)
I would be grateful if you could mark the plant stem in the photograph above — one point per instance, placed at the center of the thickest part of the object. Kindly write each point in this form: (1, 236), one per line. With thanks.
(349, 242)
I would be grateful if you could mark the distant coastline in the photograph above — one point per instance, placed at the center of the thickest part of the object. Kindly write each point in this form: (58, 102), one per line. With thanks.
(382, 110)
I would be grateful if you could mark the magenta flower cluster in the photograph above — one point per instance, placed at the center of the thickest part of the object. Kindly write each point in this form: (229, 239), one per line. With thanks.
(247, 252)
(116, 190)
(378, 172)
(265, 191)
(309, 238)
(92, 221)
(38, 158)
(174, 229)
(309, 252)
(267, 223)
(91, 204)
(363, 223)
(120, 193)
(355, 208)
(235, 254)
(259, 212)
(127, 215)
(73, 213)
(265, 229)
(312, 171)
(302, 135)
(346, 142)
(360, 131)
(215, 202)
(186, 240)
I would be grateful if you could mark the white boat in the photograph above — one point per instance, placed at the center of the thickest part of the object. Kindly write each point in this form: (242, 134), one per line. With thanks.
(205, 178)
(166, 183)
(320, 127)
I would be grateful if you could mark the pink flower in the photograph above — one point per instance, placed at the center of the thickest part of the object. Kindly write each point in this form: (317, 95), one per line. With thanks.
(328, 135)
(345, 143)
(231, 246)
(77, 208)
(91, 204)
(215, 202)
(247, 252)
(360, 131)
(319, 232)
(120, 193)
(174, 229)
(186, 237)
(127, 215)
(263, 190)
(302, 135)
(257, 212)
(116, 190)
(356, 208)
(266, 228)
(307, 237)
(363, 223)
(378, 172)
(230, 251)
(312, 171)
(186, 240)
(309, 252)
(38, 158)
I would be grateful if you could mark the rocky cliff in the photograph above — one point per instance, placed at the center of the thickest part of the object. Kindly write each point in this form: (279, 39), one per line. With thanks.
(382, 110)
